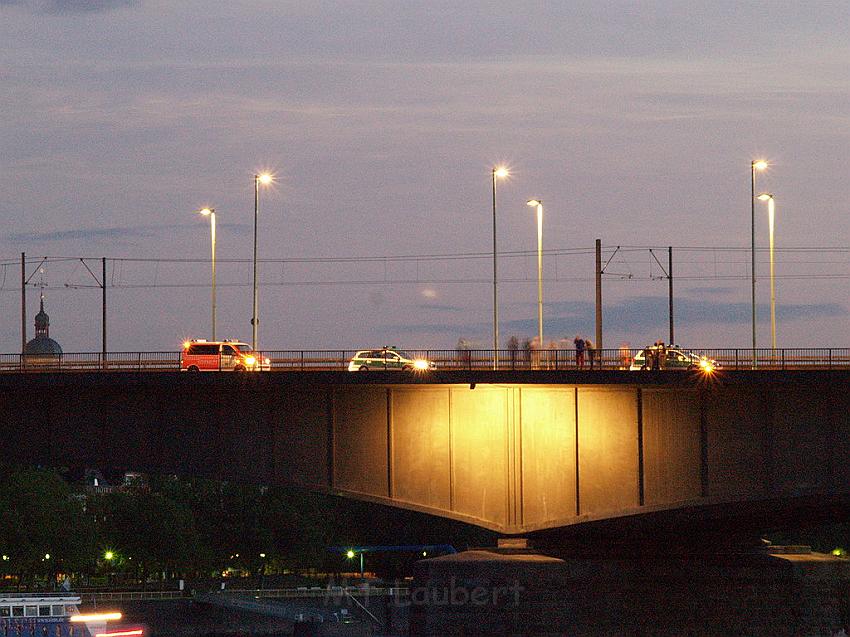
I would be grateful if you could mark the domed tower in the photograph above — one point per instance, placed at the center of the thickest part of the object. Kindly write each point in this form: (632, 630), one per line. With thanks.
(42, 344)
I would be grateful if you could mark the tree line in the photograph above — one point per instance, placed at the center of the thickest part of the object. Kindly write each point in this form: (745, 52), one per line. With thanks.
(169, 527)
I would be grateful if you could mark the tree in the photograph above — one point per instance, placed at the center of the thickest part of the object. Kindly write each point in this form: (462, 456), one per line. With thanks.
(149, 531)
(43, 529)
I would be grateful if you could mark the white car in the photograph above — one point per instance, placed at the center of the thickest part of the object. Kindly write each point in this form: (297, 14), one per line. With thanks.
(674, 358)
(387, 359)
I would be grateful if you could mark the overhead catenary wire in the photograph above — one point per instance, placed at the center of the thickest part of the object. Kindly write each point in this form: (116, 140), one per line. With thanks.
(797, 258)
(435, 256)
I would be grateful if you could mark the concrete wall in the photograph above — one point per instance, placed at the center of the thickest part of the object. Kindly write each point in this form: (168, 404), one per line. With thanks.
(511, 456)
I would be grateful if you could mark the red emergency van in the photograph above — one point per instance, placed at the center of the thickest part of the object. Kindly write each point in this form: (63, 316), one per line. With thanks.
(221, 356)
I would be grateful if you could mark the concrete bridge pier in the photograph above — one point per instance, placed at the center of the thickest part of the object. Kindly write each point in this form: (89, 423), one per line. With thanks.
(773, 592)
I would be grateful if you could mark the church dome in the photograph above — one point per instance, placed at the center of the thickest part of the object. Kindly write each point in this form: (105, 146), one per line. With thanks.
(42, 344)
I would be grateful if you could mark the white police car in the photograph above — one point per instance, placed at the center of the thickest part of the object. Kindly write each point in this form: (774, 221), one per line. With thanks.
(672, 358)
(387, 358)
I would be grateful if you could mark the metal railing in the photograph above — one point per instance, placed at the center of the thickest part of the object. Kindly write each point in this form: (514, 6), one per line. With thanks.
(123, 596)
(91, 361)
(321, 592)
(443, 359)
(90, 597)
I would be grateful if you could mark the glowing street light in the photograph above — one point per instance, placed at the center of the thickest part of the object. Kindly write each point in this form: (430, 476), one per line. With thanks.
(498, 172)
(537, 203)
(771, 209)
(755, 165)
(210, 212)
(109, 556)
(350, 555)
(265, 179)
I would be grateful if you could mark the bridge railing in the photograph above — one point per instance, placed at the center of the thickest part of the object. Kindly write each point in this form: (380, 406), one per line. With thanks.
(443, 359)
(564, 359)
(91, 361)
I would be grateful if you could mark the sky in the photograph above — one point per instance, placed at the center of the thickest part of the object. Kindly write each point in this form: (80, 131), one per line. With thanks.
(634, 123)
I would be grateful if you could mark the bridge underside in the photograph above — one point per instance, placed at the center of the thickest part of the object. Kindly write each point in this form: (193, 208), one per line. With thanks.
(512, 452)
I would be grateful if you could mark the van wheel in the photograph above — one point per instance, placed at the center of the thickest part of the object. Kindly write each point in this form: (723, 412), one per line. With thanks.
(239, 368)
(363, 368)
(193, 368)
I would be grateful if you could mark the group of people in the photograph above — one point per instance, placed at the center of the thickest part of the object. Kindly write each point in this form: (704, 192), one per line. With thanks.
(656, 355)
(584, 348)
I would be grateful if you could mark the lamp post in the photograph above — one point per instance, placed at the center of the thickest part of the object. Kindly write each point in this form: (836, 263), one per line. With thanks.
(499, 172)
(265, 179)
(537, 203)
(755, 165)
(210, 212)
(771, 209)
(350, 555)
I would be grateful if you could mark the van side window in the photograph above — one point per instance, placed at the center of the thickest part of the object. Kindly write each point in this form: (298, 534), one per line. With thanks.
(203, 350)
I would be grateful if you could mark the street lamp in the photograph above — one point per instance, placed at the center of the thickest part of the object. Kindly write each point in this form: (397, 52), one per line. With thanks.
(210, 212)
(265, 179)
(755, 165)
(771, 209)
(499, 172)
(537, 203)
(350, 555)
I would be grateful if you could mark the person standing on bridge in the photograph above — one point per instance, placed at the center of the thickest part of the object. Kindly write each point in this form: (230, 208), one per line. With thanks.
(578, 341)
(591, 351)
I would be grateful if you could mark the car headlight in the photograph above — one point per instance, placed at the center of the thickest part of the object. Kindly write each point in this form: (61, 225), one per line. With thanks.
(250, 360)
(706, 365)
(420, 364)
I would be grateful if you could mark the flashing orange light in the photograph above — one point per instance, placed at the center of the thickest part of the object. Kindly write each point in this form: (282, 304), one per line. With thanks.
(96, 617)
(706, 365)
(121, 633)
(186, 344)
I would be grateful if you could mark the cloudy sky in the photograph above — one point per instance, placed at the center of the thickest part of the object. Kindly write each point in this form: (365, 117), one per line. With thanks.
(635, 123)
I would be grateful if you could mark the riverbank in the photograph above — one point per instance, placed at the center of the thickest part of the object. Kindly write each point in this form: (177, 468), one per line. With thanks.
(187, 618)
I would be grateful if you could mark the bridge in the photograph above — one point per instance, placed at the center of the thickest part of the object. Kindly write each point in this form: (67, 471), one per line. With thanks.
(452, 359)
(517, 452)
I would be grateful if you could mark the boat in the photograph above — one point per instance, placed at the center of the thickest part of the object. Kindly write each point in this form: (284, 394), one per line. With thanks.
(48, 615)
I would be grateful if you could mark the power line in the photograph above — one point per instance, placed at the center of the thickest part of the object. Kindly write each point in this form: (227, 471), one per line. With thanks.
(435, 256)
(691, 262)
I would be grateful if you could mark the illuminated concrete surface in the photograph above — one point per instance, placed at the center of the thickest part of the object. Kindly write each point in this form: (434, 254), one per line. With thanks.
(517, 453)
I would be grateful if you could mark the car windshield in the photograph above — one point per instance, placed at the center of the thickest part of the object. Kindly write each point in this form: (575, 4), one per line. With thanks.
(403, 354)
(242, 347)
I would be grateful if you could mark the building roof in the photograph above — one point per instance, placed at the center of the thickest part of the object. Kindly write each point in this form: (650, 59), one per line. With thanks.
(42, 345)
